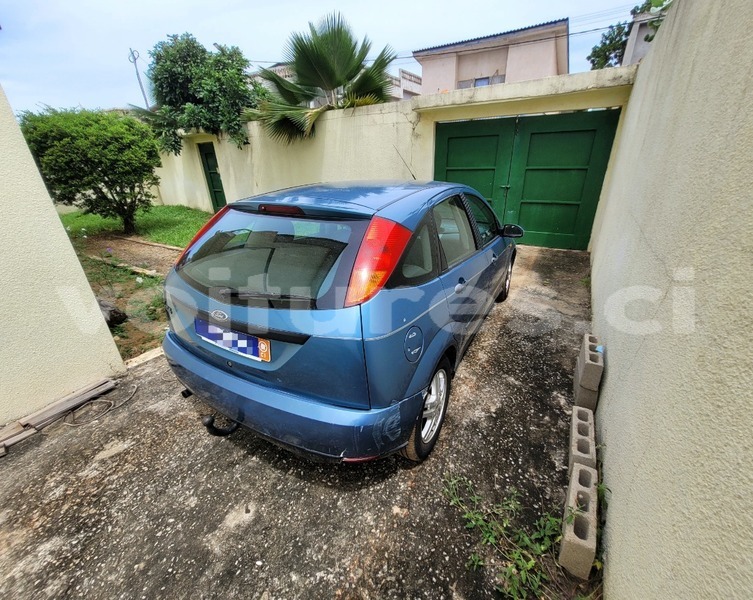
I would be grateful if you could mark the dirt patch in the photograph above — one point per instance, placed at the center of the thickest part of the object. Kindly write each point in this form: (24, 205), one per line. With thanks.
(138, 295)
(131, 251)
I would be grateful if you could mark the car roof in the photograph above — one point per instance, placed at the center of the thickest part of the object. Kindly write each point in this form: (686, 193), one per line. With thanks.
(366, 197)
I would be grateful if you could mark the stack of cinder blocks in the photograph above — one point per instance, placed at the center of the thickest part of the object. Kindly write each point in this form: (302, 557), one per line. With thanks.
(579, 523)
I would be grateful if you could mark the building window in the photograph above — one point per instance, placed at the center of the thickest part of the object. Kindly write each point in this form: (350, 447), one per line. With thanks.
(481, 82)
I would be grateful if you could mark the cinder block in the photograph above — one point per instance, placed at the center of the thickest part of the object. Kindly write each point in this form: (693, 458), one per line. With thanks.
(590, 363)
(578, 545)
(589, 343)
(583, 396)
(582, 438)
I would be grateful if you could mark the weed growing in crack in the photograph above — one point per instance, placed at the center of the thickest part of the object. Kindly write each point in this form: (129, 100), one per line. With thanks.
(523, 558)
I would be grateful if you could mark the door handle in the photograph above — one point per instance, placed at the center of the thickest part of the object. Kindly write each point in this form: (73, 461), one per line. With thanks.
(460, 286)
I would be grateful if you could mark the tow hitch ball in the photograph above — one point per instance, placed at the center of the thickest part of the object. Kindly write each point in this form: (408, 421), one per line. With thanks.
(208, 422)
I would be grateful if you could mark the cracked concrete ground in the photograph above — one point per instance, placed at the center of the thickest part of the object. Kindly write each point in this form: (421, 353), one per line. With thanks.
(142, 503)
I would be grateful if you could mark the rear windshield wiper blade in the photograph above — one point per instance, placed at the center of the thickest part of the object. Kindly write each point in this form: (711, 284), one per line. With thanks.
(241, 295)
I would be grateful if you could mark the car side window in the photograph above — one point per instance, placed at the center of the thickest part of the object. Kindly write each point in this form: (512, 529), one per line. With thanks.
(454, 230)
(419, 263)
(485, 219)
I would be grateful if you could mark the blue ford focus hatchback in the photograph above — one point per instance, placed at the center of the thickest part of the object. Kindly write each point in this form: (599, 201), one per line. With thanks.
(330, 319)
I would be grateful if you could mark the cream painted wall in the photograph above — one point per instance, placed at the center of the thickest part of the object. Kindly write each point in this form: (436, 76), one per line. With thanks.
(386, 141)
(54, 339)
(532, 60)
(372, 142)
(673, 232)
(183, 180)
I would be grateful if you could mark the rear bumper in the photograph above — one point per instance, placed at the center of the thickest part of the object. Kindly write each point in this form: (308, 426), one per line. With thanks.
(331, 432)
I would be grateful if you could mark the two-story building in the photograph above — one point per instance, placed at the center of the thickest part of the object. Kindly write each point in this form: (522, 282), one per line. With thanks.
(527, 53)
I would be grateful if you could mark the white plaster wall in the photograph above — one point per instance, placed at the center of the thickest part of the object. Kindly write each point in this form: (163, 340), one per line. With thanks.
(532, 60)
(53, 339)
(676, 411)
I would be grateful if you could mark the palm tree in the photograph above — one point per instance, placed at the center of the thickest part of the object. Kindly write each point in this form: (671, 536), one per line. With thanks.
(329, 71)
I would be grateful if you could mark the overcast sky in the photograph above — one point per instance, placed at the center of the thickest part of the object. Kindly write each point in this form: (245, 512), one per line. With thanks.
(75, 52)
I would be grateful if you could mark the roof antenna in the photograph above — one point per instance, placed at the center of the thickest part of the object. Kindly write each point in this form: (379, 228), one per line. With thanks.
(405, 163)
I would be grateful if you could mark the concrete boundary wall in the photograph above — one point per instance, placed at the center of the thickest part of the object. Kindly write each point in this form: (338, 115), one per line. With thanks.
(385, 141)
(673, 305)
(53, 338)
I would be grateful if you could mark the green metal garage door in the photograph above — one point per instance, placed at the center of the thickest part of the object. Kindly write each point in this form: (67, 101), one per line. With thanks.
(543, 173)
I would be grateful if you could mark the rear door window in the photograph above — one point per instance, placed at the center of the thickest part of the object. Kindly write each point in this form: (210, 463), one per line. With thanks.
(274, 261)
(484, 217)
(454, 230)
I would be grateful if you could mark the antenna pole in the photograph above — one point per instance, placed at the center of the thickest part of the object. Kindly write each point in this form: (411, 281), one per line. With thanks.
(133, 56)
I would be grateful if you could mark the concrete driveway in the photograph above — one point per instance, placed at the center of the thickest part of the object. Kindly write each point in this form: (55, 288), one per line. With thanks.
(142, 503)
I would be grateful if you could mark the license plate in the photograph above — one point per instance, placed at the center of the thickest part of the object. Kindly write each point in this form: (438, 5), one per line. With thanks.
(234, 341)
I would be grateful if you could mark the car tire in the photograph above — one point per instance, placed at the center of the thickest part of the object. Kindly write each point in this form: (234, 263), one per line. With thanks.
(506, 287)
(431, 417)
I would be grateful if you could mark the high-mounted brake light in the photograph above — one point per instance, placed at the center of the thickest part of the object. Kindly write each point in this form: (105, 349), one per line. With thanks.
(280, 209)
(207, 226)
(381, 249)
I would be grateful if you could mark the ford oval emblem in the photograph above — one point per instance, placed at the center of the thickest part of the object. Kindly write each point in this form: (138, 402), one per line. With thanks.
(219, 315)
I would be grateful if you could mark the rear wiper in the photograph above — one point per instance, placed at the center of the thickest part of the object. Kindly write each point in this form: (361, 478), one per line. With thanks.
(233, 293)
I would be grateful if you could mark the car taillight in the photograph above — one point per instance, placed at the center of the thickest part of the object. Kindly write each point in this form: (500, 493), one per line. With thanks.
(203, 230)
(381, 249)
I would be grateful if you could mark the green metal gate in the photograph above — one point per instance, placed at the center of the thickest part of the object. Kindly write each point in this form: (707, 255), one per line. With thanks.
(544, 173)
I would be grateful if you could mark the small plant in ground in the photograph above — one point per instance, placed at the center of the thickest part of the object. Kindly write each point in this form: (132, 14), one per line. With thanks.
(475, 562)
(119, 331)
(518, 554)
(155, 308)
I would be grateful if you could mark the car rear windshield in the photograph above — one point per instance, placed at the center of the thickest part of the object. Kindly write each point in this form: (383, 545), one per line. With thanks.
(274, 261)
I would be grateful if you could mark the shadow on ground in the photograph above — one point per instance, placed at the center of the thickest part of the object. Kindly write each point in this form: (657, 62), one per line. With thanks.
(143, 503)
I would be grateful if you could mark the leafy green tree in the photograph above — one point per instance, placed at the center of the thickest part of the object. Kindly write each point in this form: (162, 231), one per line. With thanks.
(101, 161)
(611, 49)
(195, 89)
(329, 71)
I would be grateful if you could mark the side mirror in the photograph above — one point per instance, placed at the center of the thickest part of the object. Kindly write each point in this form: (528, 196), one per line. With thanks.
(512, 231)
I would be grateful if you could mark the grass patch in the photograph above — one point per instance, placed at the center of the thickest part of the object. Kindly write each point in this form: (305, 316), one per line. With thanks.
(171, 225)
